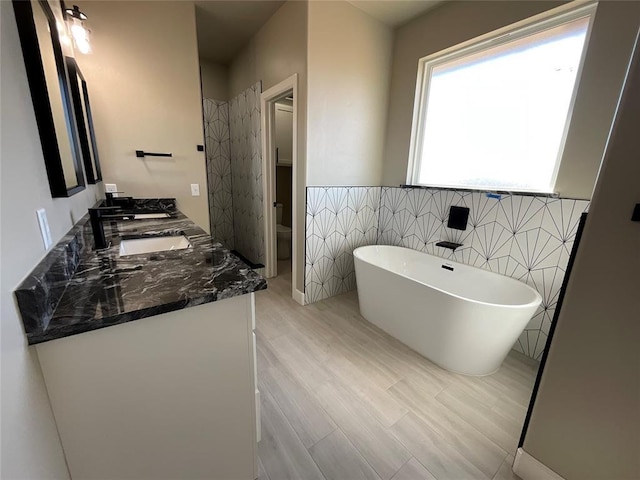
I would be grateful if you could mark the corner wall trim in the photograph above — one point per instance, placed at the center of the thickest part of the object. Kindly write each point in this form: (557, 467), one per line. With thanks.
(298, 296)
(529, 468)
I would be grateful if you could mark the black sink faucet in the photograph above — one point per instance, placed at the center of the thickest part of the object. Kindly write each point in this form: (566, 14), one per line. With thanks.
(117, 201)
(99, 214)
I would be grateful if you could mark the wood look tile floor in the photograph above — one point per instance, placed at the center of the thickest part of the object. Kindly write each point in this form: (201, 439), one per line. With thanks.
(343, 400)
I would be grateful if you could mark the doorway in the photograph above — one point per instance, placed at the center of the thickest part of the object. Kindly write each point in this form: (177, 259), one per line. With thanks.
(284, 183)
(279, 107)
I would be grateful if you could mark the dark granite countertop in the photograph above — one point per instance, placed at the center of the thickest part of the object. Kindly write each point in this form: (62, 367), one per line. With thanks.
(77, 289)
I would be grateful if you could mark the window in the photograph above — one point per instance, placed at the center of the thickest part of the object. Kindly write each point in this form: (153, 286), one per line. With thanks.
(493, 115)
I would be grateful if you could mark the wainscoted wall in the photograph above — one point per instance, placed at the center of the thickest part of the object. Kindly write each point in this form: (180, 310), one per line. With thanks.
(246, 173)
(526, 237)
(216, 131)
(339, 219)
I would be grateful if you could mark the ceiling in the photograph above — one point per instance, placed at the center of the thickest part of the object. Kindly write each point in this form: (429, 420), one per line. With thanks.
(225, 26)
(394, 12)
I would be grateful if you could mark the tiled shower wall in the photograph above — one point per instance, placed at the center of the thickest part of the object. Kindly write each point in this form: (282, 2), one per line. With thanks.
(246, 173)
(525, 237)
(339, 219)
(216, 130)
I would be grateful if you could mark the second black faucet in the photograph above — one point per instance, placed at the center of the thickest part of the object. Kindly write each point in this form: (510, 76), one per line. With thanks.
(98, 215)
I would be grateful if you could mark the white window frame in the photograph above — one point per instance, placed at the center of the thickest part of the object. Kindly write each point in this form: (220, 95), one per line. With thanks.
(502, 36)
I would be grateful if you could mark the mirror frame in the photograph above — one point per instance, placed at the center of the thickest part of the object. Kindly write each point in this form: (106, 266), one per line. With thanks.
(40, 96)
(88, 144)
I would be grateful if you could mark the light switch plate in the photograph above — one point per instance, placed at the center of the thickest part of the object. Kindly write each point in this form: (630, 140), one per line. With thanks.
(195, 190)
(44, 228)
(111, 188)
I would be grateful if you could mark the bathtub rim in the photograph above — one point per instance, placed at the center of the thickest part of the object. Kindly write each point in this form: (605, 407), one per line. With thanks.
(537, 303)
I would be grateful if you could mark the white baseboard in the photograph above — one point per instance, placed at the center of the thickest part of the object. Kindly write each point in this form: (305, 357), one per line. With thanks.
(528, 468)
(298, 296)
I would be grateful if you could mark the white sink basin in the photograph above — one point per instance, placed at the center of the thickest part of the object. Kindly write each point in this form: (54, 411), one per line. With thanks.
(143, 216)
(136, 246)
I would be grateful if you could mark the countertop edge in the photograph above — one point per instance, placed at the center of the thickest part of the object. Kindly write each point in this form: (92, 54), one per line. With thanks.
(66, 263)
(121, 319)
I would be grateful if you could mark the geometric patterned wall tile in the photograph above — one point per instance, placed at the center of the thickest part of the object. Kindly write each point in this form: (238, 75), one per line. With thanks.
(560, 220)
(482, 209)
(522, 236)
(493, 243)
(246, 173)
(442, 201)
(561, 217)
(547, 281)
(338, 220)
(518, 213)
(536, 249)
(526, 237)
(218, 159)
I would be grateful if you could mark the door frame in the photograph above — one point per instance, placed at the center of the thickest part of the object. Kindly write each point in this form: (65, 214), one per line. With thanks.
(268, 99)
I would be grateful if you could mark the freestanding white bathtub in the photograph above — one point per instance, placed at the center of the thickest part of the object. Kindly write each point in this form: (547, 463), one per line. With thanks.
(462, 318)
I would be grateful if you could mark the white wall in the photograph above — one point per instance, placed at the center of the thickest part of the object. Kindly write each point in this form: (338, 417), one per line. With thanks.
(349, 61)
(610, 46)
(30, 447)
(585, 423)
(144, 84)
(277, 51)
(215, 81)
(456, 22)
(352, 56)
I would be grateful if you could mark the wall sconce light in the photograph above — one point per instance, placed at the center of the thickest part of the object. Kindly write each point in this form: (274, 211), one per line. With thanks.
(79, 33)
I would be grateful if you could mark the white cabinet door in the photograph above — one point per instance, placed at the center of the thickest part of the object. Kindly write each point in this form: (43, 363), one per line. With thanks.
(165, 397)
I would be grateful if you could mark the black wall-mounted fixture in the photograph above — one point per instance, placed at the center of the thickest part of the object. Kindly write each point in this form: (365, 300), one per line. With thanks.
(75, 13)
(635, 216)
(200, 148)
(79, 32)
(142, 153)
(451, 245)
(458, 218)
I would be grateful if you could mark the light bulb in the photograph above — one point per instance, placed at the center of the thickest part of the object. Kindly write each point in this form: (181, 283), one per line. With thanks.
(78, 31)
(80, 37)
(83, 46)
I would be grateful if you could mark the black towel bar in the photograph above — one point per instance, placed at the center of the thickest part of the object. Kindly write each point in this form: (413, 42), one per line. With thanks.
(142, 153)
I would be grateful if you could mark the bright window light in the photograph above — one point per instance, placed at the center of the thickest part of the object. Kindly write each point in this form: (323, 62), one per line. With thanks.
(494, 115)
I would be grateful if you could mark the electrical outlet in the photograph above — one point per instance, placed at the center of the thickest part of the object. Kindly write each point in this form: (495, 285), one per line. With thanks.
(44, 228)
(111, 188)
(195, 190)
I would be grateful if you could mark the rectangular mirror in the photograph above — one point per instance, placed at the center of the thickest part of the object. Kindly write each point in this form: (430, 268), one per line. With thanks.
(84, 122)
(49, 85)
